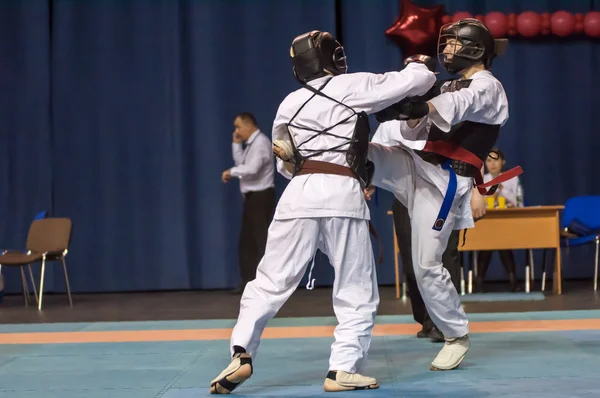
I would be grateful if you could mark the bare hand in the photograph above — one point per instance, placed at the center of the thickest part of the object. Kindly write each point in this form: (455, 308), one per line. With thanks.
(477, 205)
(369, 191)
(237, 138)
(226, 176)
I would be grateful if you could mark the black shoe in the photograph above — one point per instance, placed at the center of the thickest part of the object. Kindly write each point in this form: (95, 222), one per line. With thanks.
(422, 334)
(435, 335)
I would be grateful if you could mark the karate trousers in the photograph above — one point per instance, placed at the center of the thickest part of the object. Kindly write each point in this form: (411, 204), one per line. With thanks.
(291, 246)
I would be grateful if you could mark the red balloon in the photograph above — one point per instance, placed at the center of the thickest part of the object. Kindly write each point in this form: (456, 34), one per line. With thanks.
(480, 18)
(461, 15)
(416, 29)
(497, 23)
(591, 24)
(562, 23)
(446, 19)
(529, 24)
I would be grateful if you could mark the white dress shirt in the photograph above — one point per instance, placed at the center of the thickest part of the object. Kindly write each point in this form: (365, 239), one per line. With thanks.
(254, 165)
(484, 101)
(324, 195)
(509, 189)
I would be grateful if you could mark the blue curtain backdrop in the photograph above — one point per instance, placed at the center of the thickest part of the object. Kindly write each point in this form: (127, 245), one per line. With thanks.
(118, 114)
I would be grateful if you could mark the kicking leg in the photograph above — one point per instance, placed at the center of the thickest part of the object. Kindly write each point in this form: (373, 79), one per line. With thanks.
(347, 244)
(291, 244)
(394, 171)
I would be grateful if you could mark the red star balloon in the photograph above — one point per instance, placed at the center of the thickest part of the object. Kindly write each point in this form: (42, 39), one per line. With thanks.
(416, 29)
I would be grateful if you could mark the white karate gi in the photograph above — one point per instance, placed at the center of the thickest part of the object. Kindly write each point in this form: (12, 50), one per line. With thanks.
(509, 189)
(326, 212)
(421, 187)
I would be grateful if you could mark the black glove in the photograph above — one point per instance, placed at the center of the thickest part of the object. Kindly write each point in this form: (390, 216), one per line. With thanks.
(423, 59)
(406, 109)
(391, 112)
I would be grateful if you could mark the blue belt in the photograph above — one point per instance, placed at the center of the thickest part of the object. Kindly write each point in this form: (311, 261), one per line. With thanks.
(448, 198)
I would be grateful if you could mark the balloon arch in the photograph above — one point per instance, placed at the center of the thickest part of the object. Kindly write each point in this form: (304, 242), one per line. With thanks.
(416, 29)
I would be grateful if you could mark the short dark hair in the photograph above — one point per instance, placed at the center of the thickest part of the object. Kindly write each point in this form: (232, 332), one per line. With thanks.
(247, 117)
(498, 152)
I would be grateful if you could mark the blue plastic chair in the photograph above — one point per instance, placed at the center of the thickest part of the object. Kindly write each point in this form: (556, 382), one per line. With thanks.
(41, 215)
(582, 212)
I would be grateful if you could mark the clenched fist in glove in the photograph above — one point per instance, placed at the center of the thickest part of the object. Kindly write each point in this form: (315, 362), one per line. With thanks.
(423, 59)
(406, 109)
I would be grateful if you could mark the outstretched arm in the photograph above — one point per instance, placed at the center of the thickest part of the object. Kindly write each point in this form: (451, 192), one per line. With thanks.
(375, 92)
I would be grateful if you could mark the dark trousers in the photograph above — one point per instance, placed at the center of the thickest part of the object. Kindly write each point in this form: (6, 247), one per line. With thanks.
(508, 262)
(450, 259)
(259, 207)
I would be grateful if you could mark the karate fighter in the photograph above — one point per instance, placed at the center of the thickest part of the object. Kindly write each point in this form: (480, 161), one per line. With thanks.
(445, 139)
(321, 135)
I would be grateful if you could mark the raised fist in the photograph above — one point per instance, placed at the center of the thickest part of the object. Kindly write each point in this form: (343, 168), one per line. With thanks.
(423, 59)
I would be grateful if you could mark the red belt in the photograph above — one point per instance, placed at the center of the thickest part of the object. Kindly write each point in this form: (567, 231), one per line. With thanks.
(454, 152)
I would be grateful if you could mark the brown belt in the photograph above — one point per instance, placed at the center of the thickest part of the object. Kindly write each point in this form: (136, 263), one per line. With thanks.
(318, 167)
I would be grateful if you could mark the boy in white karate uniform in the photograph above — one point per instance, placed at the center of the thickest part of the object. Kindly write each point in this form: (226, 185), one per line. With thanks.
(321, 135)
(445, 140)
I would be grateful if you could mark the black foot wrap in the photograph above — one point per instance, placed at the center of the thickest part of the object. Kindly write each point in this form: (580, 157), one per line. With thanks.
(227, 384)
(230, 385)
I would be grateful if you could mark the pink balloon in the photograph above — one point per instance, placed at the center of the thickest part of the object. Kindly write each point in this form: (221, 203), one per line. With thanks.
(497, 23)
(529, 24)
(562, 23)
(591, 24)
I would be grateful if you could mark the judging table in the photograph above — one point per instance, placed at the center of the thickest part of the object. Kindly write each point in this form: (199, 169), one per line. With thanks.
(532, 227)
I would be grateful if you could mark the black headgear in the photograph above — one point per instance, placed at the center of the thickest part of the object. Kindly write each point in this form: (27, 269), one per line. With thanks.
(316, 54)
(477, 44)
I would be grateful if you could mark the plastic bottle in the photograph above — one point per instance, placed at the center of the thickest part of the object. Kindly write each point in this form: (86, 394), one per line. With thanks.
(520, 202)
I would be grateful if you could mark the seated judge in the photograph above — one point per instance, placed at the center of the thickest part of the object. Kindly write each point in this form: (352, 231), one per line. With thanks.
(495, 164)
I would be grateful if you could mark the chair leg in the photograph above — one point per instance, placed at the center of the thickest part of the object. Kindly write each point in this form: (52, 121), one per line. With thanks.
(462, 281)
(544, 269)
(532, 269)
(67, 281)
(596, 267)
(33, 283)
(42, 273)
(25, 289)
(470, 282)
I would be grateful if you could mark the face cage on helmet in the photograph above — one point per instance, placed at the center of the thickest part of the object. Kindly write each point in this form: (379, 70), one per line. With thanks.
(340, 61)
(447, 32)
